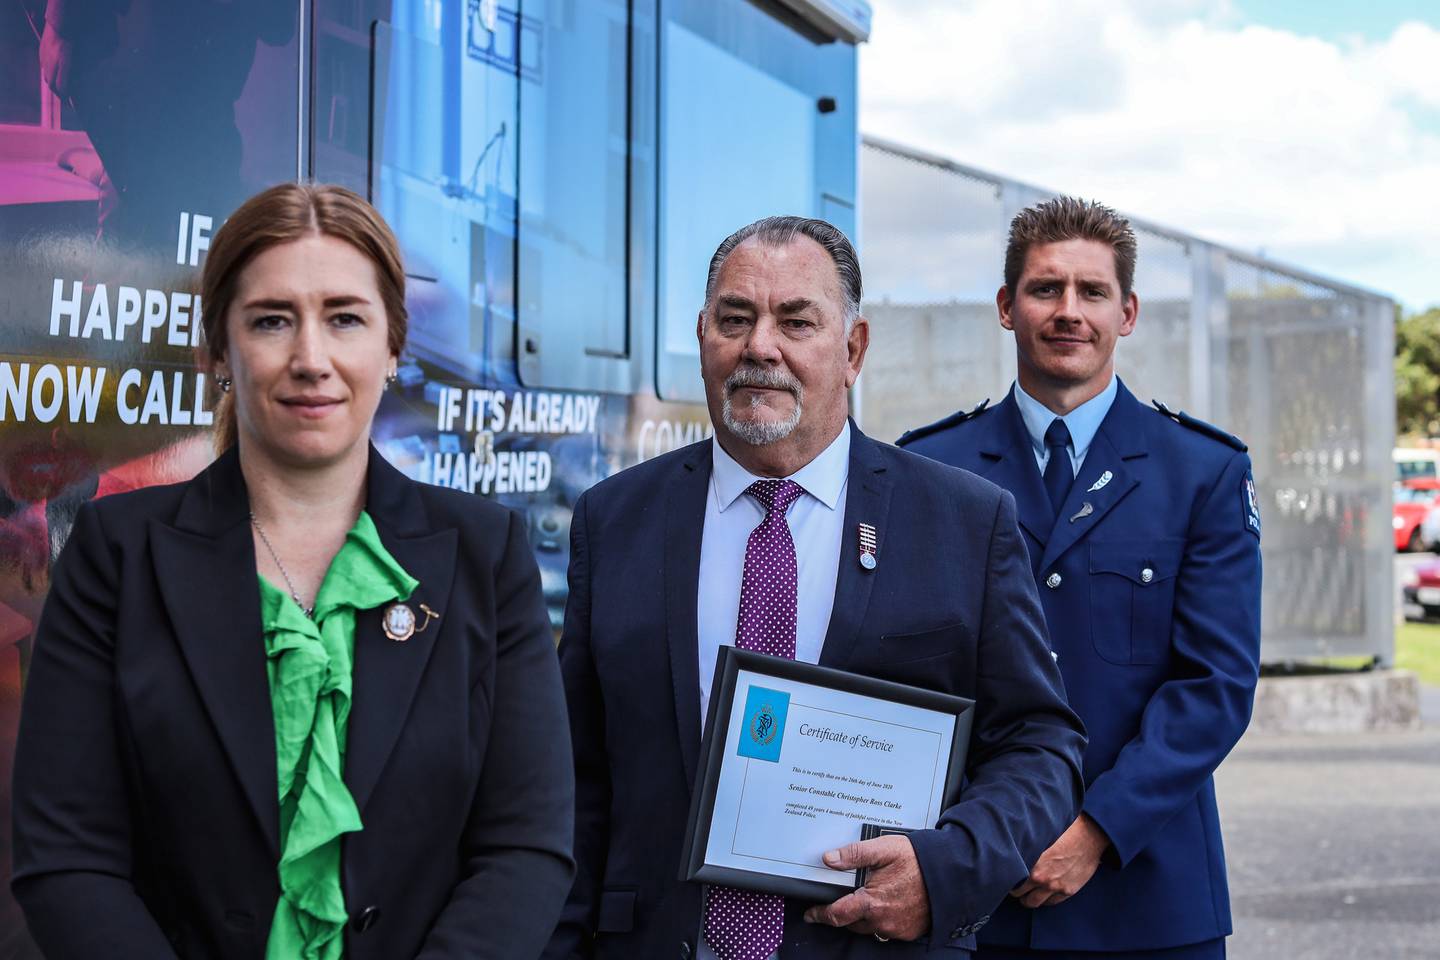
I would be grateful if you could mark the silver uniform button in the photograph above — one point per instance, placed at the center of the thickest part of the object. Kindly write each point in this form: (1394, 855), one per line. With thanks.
(1052, 581)
(1147, 575)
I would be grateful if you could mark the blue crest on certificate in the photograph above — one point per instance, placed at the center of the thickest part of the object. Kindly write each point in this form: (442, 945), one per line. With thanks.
(764, 724)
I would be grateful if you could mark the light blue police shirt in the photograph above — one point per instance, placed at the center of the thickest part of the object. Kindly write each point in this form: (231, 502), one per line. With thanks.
(1083, 422)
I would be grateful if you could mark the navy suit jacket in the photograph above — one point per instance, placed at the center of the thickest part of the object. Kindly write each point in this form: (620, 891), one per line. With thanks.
(147, 816)
(950, 606)
(1153, 602)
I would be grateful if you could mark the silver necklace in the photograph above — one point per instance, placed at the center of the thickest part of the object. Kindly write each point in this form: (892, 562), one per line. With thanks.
(294, 594)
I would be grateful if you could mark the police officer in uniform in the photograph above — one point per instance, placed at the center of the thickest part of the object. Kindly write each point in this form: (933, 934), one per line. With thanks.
(1144, 536)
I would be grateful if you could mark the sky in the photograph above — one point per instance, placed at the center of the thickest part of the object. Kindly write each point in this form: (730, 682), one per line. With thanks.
(1306, 130)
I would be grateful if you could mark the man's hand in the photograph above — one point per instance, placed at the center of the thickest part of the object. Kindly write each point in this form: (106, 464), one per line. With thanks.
(1066, 867)
(56, 56)
(893, 903)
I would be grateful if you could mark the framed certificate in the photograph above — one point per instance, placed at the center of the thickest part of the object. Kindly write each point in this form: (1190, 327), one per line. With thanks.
(798, 758)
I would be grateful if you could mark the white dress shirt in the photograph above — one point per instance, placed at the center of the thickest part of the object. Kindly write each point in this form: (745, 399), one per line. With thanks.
(817, 525)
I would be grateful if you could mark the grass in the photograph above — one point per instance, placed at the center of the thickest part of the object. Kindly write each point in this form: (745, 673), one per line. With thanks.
(1417, 648)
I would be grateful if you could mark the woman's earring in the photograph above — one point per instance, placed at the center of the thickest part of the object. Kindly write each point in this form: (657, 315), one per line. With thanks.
(391, 378)
(223, 383)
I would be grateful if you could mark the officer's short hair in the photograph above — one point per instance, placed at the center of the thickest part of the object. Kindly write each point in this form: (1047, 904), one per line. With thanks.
(1070, 218)
(780, 232)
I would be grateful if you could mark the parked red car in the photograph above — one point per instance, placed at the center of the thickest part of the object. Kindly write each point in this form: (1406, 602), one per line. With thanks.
(1421, 590)
(1412, 499)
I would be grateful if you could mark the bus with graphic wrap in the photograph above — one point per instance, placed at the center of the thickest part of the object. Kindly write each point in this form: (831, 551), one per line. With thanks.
(558, 173)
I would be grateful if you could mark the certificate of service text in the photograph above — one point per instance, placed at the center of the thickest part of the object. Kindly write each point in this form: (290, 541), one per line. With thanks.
(806, 766)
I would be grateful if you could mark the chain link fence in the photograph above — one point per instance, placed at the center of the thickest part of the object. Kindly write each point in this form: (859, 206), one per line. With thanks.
(1298, 366)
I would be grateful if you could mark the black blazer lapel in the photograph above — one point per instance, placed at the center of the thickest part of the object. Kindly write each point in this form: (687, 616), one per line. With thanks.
(684, 525)
(387, 673)
(1104, 479)
(867, 500)
(1012, 467)
(205, 568)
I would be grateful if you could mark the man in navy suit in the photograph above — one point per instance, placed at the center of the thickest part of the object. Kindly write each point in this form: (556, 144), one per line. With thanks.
(762, 527)
(1144, 534)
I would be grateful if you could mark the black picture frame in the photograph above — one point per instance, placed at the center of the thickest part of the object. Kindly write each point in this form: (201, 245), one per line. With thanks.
(728, 664)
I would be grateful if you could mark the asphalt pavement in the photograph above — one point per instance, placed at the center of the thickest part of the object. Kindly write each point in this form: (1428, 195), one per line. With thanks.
(1333, 846)
(1333, 842)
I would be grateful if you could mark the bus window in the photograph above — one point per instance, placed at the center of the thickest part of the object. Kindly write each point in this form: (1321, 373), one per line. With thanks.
(457, 86)
(574, 224)
(442, 144)
(737, 90)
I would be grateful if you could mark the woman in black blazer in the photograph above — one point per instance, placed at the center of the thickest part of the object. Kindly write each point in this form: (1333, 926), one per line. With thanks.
(148, 809)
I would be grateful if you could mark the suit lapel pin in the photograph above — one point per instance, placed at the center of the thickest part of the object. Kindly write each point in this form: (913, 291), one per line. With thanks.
(867, 546)
(1085, 510)
(1105, 478)
(398, 621)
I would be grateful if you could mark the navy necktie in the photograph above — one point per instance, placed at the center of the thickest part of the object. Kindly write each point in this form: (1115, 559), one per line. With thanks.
(1058, 473)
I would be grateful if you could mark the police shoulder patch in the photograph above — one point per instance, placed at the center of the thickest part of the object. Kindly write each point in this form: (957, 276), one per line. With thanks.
(1250, 504)
(938, 425)
(1200, 426)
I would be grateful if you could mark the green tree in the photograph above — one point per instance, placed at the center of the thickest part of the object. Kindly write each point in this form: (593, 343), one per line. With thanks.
(1417, 373)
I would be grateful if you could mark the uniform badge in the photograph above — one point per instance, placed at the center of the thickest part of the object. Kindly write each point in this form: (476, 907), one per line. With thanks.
(1105, 478)
(867, 546)
(1250, 504)
(1085, 510)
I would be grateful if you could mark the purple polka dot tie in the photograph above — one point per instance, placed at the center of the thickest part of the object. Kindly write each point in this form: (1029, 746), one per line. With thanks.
(742, 924)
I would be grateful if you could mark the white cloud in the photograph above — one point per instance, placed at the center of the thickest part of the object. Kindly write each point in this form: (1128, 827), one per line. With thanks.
(1323, 154)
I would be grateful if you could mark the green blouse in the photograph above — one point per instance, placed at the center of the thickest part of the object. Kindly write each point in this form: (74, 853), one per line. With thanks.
(309, 664)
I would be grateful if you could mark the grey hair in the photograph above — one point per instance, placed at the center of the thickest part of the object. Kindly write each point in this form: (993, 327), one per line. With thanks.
(780, 232)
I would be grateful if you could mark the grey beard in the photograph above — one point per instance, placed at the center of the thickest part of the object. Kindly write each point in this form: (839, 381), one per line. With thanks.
(760, 433)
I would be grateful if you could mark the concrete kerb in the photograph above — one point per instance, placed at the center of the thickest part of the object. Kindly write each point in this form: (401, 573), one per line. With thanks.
(1369, 701)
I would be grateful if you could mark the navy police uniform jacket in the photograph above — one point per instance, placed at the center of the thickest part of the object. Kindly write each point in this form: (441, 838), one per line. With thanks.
(1150, 581)
(949, 607)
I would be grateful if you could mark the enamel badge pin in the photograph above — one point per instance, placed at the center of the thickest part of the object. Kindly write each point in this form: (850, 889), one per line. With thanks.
(1104, 479)
(867, 546)
(398, 621)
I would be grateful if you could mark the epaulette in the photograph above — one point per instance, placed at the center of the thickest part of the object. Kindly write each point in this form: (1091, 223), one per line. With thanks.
(939, 425)
(1200, 426)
